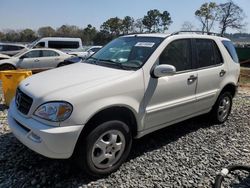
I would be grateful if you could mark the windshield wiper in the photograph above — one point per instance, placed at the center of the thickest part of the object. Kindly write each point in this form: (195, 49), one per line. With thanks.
(109, 62)
(117, 64)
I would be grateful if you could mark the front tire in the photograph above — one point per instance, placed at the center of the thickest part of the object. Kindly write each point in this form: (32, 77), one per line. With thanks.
(105, 148)
(222, 108)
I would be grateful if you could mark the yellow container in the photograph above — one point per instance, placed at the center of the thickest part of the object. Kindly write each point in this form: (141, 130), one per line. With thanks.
(10, 80)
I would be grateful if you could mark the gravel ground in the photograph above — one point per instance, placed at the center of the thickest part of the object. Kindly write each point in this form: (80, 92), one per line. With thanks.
(189, 154)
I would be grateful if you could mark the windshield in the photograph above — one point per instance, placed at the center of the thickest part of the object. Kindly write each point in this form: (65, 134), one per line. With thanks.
(21, 52)
(31, 45)
(130, 52)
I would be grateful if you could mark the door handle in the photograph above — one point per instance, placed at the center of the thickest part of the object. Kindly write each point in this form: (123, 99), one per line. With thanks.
(56, 59)
(192, 79)
(222, 73)
(36, 60)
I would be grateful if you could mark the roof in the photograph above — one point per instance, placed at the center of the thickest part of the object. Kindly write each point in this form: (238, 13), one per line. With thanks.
(182, 34)
(13, 44)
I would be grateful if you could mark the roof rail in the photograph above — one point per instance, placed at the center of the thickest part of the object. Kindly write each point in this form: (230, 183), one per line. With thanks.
(198, 32)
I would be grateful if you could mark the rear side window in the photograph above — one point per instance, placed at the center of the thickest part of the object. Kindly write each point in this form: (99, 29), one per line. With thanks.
(63, 44)
(208, 53)
(178, 53)
(49, 53)
(231, 50)
(11, 48)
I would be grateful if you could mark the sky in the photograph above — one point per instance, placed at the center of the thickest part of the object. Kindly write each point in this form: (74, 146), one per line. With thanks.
(21, 14)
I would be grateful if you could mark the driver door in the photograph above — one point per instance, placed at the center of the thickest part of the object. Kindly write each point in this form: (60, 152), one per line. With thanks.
(173, 97)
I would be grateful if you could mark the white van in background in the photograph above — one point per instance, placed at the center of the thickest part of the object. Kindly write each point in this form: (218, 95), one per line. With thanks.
(61, 43)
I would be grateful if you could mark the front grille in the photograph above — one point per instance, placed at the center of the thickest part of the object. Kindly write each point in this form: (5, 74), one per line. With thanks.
(23, 102)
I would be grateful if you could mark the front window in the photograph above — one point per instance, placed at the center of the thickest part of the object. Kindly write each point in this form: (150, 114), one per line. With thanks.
(126, 52)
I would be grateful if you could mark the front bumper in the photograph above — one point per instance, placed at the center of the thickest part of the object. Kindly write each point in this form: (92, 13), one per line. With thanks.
(52, 142)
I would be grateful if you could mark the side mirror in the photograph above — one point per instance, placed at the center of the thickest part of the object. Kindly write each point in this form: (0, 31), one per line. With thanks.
(22, 57)
(163, 70)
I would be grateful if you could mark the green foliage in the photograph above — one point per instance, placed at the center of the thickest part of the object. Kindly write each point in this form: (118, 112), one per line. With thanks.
(113, 26)
(128, 24)
(46, 32)
(207, 15)
(27, 35)
(155, 21)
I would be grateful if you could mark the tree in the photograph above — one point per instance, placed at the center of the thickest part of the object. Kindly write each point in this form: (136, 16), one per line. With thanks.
(112, 26)
(46, 31)
(187, 26)
(68, 31)
(2, 36)
(12, 36)
(138, 25)
(27, 35)
(128, 23)
(102, 37)
(230, 16)
(151, 20)
(155, 21)
(165, 20)
(207, 15)
(88, 34)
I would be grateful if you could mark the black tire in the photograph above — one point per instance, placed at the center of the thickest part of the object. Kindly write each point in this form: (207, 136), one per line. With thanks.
(218, 114)
(88, 149)
(7, 67)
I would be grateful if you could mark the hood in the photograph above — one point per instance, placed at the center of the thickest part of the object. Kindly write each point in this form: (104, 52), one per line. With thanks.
(81, 75)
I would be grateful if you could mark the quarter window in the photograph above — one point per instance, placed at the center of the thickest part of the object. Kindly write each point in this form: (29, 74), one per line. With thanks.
(208, 53)
(179, 54)
(231, 50)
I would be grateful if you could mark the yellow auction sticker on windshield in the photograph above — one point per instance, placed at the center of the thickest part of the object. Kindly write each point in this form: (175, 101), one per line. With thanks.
(145, 44)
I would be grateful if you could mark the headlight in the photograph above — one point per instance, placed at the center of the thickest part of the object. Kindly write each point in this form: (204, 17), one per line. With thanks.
(54, 111)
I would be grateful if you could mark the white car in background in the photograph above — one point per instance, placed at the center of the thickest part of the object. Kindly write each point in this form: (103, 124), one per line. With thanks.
(87, 53)
(42, 58)
(11, 48)
(3, 56)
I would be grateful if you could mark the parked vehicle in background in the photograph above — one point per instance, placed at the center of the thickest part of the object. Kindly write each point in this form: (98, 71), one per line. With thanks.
(62, 43)
(87, 53)
(3, 56)
(133, 86)
(11, 49)
(71, 60)
(35, 59)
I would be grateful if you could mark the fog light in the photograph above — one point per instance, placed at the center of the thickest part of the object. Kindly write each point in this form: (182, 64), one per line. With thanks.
(32, 136)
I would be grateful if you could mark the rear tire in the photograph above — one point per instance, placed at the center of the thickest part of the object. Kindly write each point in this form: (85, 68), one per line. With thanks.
(7, 67)
(104, 149)
(222, 108)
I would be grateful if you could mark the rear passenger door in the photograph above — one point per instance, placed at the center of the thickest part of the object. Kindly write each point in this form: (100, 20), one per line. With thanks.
(211, 72)
(49, 59)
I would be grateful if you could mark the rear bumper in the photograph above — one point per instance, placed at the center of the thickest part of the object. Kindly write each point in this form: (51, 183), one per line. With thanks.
(52, 142)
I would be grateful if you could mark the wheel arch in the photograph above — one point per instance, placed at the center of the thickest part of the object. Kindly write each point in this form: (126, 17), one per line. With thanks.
(230, 87)
(122, 113)
(9, 64)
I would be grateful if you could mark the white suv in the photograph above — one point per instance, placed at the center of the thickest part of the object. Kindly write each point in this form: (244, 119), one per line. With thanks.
(133, 86)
